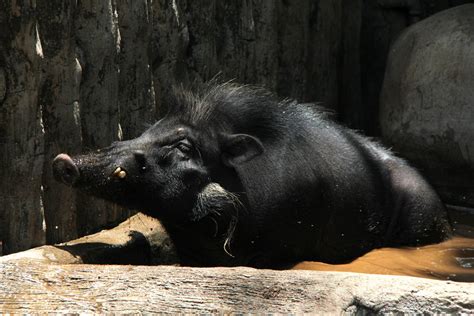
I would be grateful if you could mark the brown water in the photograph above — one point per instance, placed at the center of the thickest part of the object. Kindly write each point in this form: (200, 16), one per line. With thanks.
(449, 260)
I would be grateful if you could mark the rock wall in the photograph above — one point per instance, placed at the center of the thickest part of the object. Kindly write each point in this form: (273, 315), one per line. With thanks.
(427, 101)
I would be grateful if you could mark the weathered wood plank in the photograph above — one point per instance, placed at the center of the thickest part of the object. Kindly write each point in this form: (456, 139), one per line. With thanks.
(136, 95)
(139, 240)
(21, 128)
(140, 289)
(98, 43)
(59, 95)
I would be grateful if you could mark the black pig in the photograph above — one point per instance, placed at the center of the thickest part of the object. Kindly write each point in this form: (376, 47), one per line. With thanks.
(238, 177)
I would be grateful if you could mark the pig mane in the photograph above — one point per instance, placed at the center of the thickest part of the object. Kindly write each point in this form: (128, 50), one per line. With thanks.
(239, 109)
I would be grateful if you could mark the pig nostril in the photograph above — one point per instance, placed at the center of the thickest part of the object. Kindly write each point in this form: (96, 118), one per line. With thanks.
(69, 171)
(65, 170)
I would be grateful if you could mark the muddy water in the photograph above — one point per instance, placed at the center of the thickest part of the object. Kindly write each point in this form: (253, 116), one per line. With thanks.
(450, 260)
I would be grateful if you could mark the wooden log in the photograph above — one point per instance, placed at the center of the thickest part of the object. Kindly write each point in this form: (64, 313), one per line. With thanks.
(136, 95)
(59, 95)
(140, 289)
(138, 240)
(98, 41)
(21, 128)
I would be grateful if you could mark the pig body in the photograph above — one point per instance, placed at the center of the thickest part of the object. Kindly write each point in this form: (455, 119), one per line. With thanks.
(238, 177)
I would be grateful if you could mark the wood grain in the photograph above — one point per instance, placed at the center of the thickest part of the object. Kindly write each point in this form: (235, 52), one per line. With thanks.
(141, 289)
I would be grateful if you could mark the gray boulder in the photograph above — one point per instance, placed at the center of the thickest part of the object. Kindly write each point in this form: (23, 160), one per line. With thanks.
(427, 101)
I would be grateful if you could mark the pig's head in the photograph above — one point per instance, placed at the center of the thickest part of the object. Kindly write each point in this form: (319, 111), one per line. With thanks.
(172, 169)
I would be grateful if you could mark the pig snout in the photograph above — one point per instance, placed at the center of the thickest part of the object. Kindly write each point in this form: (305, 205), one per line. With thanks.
(65, 170)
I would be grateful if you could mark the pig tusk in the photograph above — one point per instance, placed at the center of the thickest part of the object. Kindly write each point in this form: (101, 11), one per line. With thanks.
(117, 171)
(120, 173)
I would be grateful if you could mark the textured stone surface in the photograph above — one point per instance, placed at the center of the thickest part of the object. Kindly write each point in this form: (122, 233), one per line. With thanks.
(427, 101)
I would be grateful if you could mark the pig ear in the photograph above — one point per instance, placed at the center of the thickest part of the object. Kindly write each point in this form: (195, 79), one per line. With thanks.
(239, 148)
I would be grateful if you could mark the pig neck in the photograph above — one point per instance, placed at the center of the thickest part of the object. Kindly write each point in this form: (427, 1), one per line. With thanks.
(218, 233)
